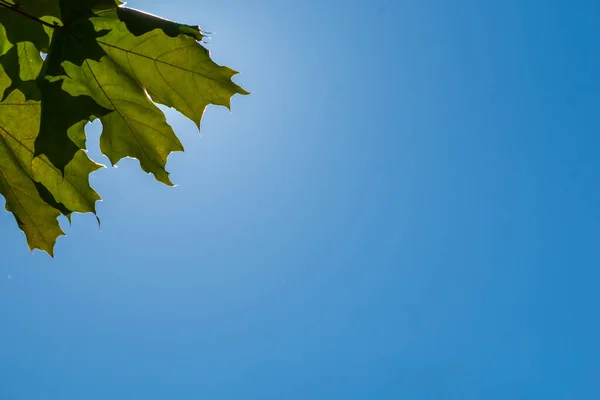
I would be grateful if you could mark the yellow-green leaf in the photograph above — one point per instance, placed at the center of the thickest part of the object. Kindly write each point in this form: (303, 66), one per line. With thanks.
(103, 61)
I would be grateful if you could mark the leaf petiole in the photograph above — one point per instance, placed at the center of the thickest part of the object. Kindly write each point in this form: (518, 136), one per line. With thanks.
(16, 9)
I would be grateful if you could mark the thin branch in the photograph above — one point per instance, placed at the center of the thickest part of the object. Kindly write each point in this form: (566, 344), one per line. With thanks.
(24, 14)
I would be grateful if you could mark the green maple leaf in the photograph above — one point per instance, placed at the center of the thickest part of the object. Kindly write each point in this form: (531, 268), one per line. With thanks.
(103, 61)
(35, 216)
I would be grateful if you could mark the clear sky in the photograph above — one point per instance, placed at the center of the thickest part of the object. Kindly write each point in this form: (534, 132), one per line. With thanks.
(406, 207)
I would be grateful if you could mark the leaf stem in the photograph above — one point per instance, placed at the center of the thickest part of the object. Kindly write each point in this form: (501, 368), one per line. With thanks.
(16, 9)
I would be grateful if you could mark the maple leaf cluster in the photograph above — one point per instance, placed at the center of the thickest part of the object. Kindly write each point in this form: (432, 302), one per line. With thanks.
(64, 63)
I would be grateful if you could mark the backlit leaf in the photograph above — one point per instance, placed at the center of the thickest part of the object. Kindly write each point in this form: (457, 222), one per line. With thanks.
(103, 61)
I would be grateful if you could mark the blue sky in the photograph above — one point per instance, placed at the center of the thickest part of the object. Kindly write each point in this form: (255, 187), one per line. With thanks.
(406, 207)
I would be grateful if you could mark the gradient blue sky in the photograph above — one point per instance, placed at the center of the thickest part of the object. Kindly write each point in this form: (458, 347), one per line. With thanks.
(407, 207)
